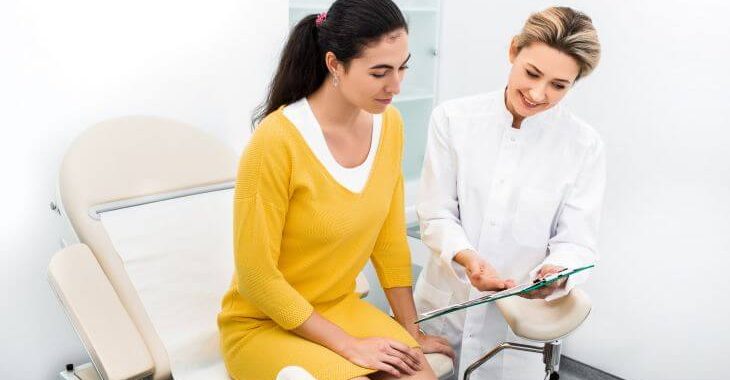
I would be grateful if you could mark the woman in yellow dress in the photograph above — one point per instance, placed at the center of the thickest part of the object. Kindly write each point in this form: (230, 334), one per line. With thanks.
(319, 192)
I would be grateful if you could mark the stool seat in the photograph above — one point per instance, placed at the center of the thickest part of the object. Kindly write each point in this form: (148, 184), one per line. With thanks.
(542, 321)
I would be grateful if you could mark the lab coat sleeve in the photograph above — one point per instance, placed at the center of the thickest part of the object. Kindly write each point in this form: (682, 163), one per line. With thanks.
(438, 207)
(574, 241)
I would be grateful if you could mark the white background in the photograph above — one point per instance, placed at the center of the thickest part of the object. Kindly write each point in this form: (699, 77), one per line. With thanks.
(658, 99)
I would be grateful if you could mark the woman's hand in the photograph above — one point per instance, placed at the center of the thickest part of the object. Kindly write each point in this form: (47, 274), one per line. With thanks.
(382, 354)
(430, 344)
(481, 274)
(542, 293)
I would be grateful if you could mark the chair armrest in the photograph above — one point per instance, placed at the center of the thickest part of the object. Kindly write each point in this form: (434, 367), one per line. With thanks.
(442, 365)
(107, 332)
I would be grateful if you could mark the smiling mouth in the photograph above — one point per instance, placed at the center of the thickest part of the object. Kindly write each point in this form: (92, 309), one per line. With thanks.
(385, 101)
(527, 102)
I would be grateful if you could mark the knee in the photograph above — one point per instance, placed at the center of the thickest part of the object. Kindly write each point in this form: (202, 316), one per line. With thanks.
(294, 373)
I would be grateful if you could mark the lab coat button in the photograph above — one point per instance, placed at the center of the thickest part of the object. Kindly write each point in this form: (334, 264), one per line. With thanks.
(513, 139)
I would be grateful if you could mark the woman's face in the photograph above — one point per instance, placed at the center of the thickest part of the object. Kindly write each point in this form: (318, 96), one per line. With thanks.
(540, 77)
(373, 79)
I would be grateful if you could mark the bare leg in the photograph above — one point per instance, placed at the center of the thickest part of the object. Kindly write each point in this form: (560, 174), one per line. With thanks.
(426, 373)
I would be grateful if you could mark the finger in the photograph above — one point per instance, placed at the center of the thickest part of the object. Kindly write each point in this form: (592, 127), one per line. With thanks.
(529, 295)
(447, 350)
(548, 270)
(494, 284)
(442, 347)
(556, 285)
(407, 359)
(402, 347)
(385, 367)
(398, 364)
(442, 340)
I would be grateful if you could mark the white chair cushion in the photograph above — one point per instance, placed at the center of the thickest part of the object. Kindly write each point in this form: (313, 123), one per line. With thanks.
(178, 255)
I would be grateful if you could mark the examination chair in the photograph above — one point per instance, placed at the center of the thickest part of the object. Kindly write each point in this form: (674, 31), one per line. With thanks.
(144, 206)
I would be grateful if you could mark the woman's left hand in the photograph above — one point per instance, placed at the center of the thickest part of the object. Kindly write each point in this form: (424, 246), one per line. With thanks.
(541, 293)
(431, 343)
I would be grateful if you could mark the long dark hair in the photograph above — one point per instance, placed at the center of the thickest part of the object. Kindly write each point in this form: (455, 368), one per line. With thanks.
(348, 27)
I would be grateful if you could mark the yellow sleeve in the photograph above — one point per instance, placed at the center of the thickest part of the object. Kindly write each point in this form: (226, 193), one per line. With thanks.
(260, 206)
(391, 256)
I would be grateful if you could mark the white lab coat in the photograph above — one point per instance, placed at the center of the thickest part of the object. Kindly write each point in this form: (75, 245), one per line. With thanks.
(521, 198)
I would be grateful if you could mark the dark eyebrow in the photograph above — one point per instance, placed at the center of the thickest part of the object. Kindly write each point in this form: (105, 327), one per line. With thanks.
(385, 66)
(540, 72)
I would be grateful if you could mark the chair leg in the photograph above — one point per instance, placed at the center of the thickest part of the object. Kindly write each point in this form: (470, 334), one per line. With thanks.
(496, 350)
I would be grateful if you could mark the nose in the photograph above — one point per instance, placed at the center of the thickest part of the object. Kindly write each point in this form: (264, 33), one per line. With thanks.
(393, 85)
(537, 93)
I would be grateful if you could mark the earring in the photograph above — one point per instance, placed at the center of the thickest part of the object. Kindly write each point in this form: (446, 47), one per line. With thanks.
(335, 81)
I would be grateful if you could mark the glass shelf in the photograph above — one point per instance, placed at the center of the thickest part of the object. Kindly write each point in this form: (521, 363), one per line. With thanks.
(416, 128)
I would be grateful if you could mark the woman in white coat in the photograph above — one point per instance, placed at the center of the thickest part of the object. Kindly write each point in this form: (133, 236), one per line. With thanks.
(511, 190)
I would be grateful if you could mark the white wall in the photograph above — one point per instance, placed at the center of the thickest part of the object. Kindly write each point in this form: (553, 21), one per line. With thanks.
(659, 99)
(68, 64)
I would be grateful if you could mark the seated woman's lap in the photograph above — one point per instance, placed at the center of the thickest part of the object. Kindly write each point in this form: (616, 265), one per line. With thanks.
(259, 353)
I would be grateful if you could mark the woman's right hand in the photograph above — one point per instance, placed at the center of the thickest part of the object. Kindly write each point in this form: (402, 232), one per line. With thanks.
(481, 274)
(383, 354)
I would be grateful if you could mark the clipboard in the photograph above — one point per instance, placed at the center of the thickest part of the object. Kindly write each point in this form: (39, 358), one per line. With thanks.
(516, 290)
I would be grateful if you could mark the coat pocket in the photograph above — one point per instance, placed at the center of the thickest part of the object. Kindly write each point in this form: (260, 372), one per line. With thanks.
(428, 297)
(536, 210)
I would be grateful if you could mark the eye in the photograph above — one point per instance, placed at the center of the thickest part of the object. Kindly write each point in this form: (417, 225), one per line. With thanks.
(404, 68)
(531, 74)
(379, 75)
(559, 86)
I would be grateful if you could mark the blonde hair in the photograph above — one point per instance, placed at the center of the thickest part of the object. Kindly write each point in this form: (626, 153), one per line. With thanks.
(566, 30)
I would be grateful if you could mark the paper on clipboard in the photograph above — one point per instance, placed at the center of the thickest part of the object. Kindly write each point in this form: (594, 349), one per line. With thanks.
(516, 290)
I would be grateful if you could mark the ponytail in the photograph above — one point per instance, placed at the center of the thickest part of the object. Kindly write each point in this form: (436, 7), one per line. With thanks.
(345, 29)
(301, 69)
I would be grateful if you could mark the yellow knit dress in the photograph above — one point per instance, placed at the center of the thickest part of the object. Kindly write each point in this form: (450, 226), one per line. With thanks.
(300, 240)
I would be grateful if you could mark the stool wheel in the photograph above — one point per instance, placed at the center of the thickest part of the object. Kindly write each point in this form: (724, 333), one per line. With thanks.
(554, 376)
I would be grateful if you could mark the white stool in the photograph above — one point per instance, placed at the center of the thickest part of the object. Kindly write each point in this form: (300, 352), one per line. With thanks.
(542, 322)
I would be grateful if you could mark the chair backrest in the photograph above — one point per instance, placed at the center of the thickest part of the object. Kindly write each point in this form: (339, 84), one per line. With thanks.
(131, 158)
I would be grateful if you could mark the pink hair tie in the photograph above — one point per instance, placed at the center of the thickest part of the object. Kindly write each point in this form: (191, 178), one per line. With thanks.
(320, 19)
